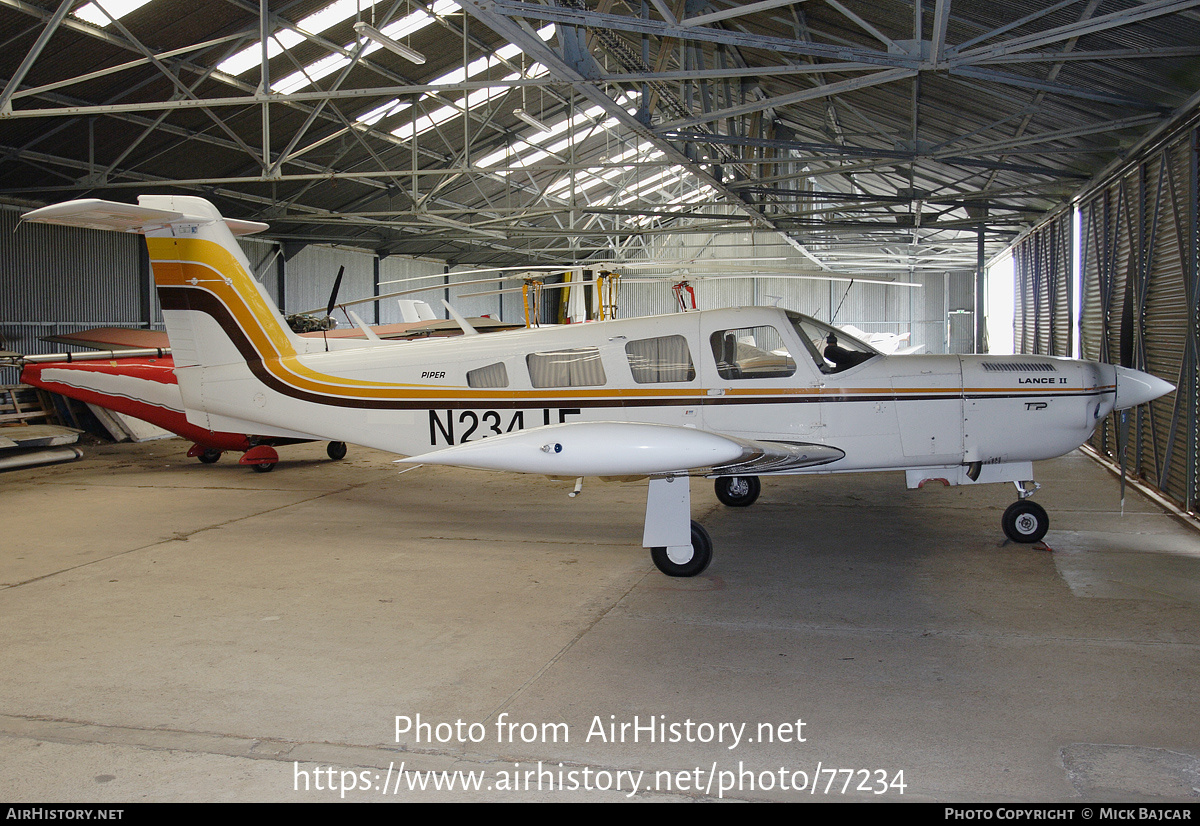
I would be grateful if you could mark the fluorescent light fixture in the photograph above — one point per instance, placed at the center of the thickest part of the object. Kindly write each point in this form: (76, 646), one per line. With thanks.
(371, 33)
(531, 120)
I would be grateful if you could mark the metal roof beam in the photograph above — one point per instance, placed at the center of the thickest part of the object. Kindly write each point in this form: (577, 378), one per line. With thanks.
(34, 53)
(736, 11)
(829, 89)
(580, 17)
(1004, 78)
(941, 17)
(891, 45)
(130, 64)
(957, 57)
(494, 14)
(1131, 53)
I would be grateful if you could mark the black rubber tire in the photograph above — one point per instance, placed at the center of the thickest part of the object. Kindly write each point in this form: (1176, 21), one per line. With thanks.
(336, 450)
(701, 555)
(1025, 522)
(738, 491)
(209, 456)
(263, 467)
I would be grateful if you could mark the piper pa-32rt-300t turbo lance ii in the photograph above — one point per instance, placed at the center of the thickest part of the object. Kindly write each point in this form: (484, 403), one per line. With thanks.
(728, 394)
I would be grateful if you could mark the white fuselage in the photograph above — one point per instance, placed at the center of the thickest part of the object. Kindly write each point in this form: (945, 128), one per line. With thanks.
(888, 412)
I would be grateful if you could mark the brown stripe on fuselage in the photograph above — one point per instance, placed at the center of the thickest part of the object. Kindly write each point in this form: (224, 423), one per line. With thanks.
(197, 299)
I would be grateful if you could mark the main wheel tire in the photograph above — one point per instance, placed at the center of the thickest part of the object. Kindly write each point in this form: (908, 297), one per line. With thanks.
(209, 456)
(738, 491)
(263, 467)
(336, 450)
(1025, 522)
(699, 559)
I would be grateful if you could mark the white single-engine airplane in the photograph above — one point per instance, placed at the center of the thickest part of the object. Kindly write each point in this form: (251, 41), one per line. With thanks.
(728, 394)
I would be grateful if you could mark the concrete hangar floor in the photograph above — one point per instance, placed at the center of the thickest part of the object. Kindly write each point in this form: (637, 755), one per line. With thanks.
(184, 632)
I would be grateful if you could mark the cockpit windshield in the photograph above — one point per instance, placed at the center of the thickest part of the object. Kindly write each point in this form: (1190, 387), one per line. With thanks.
(832, 349)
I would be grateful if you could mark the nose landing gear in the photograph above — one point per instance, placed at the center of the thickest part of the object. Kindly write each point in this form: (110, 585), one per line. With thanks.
(1025, 521)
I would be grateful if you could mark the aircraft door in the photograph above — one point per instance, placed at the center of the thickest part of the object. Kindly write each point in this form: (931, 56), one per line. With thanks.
(757, 386)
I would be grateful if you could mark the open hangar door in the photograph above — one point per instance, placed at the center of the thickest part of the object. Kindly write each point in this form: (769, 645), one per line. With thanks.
(1135, 238)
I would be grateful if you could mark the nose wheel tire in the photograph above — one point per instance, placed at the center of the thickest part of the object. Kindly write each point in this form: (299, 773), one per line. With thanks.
(336, 450)
(209, 456)
(688, 560)
(1025, 522)
(738, 491)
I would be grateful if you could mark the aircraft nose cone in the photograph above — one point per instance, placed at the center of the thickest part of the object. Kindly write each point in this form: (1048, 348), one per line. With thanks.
(1135, 387)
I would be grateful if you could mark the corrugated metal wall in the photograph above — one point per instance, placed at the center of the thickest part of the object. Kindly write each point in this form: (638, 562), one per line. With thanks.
(1140, 307)
(1140, 302)
(311, 272)
(60, 279)
(264, 258)
(1043, 315)
(397, 273)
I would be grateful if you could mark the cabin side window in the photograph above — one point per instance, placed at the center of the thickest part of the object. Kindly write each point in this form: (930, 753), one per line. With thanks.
(751, 353)
(662, 359)
(494, 375)
(580, 367)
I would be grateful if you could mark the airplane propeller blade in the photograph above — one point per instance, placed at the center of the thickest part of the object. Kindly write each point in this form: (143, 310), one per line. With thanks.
(1122, 439)
(337, 285)
(1126, 342)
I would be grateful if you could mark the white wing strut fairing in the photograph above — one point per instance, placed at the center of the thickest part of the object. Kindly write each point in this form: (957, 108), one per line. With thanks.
(728, 393)
(627, 449)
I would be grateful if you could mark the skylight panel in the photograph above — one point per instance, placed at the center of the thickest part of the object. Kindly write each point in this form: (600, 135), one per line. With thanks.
(117, 8)
(447, 113)
(251, 56)
(705, 191)
(320, 21)
(412, 23)
(652, 184)
(310, 74)
(644, 149)
(475, 98)
(514, 150)
(392, 107)
(329, 16)
(596, 176)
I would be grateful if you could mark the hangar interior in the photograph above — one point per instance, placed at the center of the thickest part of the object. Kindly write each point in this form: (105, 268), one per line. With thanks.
(861, 162)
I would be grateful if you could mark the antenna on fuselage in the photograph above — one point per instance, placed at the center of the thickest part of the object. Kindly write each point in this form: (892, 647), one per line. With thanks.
(833, 317)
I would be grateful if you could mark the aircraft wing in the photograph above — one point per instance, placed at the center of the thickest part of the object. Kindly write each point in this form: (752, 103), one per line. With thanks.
(113, 338)
(627, 449)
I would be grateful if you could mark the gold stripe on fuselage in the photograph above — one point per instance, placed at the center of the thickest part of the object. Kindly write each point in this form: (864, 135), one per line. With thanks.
(201, 264)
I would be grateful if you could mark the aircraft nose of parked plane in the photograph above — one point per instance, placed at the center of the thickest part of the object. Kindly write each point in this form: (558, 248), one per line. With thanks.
(1135, 387)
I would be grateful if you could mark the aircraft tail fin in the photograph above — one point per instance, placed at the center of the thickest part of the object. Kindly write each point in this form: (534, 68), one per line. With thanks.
(216, 312)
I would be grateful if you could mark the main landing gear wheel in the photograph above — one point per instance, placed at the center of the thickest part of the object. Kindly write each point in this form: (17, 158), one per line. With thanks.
(686, 561)
(738, 491)
(209, 456)
(336, 450)
(263, 467)
(1025, 522)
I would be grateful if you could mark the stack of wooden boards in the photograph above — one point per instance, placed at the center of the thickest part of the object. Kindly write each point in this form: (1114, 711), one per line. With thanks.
(29, 434)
